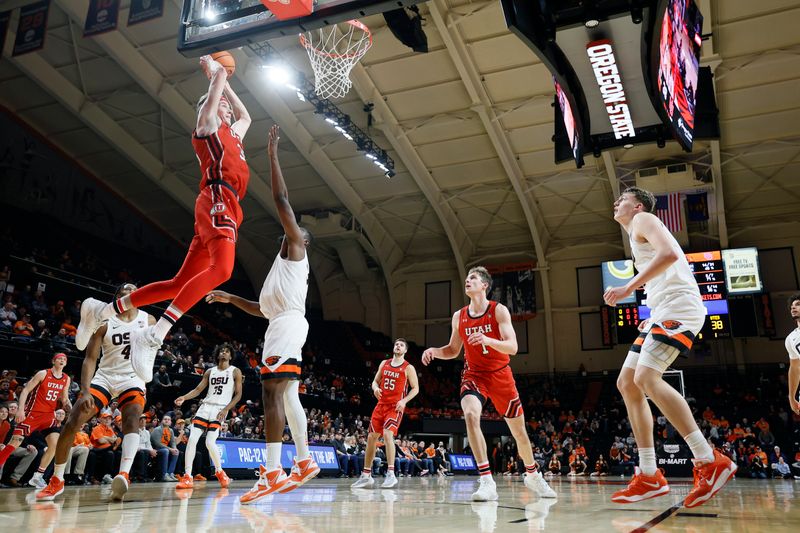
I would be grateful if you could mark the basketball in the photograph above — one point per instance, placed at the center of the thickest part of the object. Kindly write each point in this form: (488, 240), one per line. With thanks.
(226, 60)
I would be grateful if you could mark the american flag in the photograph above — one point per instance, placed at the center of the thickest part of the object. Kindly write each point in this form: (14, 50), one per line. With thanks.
(668, 209)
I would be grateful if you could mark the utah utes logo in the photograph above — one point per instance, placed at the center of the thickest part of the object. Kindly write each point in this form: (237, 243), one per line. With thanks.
(671, 324)
(218, 207)
(272, 360)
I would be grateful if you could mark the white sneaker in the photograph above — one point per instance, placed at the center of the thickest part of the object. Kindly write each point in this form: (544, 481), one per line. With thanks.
(37, 481)
(119, 486)
(389, 482)
(364, 481)
(537, 484)
(487, 490)
(90, 321)
(144, 347)
(487, 515)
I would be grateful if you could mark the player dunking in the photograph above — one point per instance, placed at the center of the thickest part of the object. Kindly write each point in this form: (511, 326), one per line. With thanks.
(390, 386)
(114, 378)
(217, 141)
(224, 383)
(677, 315)
(283, 302)
(793, 348)
(484, 328)
(39, 399)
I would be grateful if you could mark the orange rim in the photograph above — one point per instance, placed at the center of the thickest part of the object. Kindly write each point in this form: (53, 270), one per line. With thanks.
(355, 23)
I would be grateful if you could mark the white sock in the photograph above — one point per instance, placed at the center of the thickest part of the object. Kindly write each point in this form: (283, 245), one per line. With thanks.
(191, 447)
(213, 451)
(699, 446)
(273, 455)
(108, 311)
(647, 461)
(161, 328)
(58, 470)
(130, 444)
(296, 417)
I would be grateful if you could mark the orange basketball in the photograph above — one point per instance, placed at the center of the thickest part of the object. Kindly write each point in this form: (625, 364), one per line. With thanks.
(226, 60)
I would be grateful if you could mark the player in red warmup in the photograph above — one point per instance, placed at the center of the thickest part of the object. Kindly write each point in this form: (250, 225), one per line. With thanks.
(222, 122)
(484, 329)
(40, 398)
(390, 386)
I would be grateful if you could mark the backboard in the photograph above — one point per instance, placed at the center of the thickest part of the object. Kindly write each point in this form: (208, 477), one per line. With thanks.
(214, 25)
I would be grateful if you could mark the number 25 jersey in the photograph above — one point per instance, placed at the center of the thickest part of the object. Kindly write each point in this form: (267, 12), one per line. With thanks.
(481, 357)
(394, 382)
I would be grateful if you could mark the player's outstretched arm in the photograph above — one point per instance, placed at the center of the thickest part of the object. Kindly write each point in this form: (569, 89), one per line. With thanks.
(646, 226)
(195, 391)
(237, 395)
(207, 120)
(243, 120)
(280, 195)
(794, 382)
(451, 350)
(222, 297)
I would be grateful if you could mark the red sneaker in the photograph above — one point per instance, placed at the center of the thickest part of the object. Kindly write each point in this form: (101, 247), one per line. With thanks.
(268, 483)
(200, 477)
(53, 489)
(302, 472)
(642, 487)
(223, 478)
(185, 482)
(709, 478)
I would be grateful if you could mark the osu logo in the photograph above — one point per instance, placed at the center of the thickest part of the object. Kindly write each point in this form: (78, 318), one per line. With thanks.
(272, 360)
(671, 324)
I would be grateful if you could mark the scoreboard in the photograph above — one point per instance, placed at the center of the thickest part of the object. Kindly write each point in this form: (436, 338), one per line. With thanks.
(709, 274)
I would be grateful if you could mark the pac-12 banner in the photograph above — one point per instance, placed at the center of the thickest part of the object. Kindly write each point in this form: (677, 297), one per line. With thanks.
(31, 28)
(251, 453)
(462, 463)
(513, 286)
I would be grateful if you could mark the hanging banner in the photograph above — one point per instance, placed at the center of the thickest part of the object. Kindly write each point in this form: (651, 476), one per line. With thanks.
(31, 28)
(102, 17)
(5, 17)
(513, 286)
(144, 10)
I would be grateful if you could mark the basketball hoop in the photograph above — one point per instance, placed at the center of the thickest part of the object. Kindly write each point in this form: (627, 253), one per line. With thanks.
(333, 53)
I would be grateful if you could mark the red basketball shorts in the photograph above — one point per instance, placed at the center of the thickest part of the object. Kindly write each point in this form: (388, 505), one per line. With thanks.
(217, 214)
(498, 386)
(35, 421)
(385, 416)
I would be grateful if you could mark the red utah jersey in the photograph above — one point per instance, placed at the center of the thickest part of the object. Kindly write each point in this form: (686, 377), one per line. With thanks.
(481, 357)
(393, 382)
(221, 157)
(44, 398)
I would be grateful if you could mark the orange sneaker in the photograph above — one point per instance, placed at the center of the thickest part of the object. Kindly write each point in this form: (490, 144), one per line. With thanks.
(185, 482)
(642, 487)
(53, 489)
(302, 472)
(119, 486)
(709, 478)
(223, 478)
(200, 477)
(268, 483)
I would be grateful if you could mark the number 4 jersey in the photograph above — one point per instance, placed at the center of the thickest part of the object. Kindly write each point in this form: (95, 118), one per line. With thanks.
(117, 344)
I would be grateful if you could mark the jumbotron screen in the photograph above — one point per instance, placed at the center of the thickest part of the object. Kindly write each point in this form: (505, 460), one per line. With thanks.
(679, 63)
(569, 121)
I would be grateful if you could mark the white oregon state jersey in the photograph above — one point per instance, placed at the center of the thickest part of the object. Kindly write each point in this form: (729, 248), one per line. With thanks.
(116, 358)
(220, 386)
(793, 344)
(677, 279)
(285, 288)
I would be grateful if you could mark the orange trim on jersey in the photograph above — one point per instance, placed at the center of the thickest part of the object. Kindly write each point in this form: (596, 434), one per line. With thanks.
(283, 368)
(680, 337)
(200, 423)
(639, 341)
(133, 395)
(101, 400)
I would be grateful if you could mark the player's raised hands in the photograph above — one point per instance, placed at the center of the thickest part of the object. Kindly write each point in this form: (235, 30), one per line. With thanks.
(218, 297)
(209, 66)
(273, 138)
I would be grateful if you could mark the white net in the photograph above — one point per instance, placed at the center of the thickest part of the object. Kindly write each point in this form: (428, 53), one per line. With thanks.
(333, 51)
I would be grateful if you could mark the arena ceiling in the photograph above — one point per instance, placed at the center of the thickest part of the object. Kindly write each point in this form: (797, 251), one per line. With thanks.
(469, 125)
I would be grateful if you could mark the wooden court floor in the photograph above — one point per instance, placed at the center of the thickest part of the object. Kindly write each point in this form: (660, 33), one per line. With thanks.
(417, 505)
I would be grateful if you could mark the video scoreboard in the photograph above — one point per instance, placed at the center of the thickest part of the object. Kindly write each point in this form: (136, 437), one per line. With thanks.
(708, 272)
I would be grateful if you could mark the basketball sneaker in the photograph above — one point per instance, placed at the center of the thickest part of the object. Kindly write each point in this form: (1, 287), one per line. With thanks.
(200, 477)
(144, 347)
(302, 472)
(487, 490)
(390, 481)
(268, 483)
(364, 481)
(642, 487)
(119, 486)
(537, 484)
(223, 478)
(90, 321)
(37, 481)
(53, 489)
(709, 478)
(185, 482)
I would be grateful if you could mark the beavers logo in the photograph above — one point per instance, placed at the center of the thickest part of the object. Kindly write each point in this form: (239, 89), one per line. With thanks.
(671, 324)
(272, 360)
